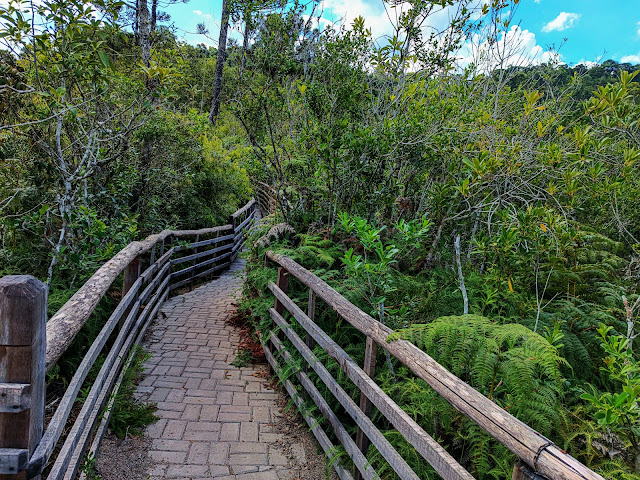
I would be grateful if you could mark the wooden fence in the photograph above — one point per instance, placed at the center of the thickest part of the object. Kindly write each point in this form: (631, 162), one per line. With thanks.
(538, 455)
(29, 345)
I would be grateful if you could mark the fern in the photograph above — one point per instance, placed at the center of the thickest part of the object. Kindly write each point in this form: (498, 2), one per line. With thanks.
(510, 364)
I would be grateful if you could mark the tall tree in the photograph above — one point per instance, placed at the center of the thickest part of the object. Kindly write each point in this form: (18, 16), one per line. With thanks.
(222, 53)
(143, 31)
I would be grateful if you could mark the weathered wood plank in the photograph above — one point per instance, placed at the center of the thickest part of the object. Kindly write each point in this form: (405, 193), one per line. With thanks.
(341, 433)
(202, 274)
(13, 460)
(23, 317)
(201, 264)
(311, 313)
(159, 264)
(195, 256)
(159, 278)
(15, 397)
(523, 472)
(526, 443)
(248, 205)
(399, 465)
(211, 241)
(131, 274)
(283, 285)
(244, 223)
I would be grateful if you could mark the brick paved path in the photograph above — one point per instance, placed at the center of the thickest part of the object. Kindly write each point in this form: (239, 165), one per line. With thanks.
(216, 420)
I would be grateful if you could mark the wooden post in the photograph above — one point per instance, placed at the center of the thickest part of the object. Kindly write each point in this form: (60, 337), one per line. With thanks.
(362, 441)
(283, 283)
(153, 255)
(311, 313)
(131, 274)
(23, 319)
(232, 221)
(193, 264)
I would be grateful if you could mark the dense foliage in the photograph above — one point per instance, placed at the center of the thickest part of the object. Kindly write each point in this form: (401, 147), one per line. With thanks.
(493, 203)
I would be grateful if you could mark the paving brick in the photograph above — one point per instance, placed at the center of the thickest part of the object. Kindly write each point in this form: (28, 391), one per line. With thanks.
(219, 453)
(230, 432)
(248, 459)
(199, 453)
(249, 432)
(248, 447)
(186, 471)
(174, 429)
(191, 412)
(170, 445)
(167, 457)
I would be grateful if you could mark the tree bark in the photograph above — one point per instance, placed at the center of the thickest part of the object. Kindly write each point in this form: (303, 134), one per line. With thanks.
(463, 289)
(154, 15)
(143, 31)
(136, 24)
(222, 51)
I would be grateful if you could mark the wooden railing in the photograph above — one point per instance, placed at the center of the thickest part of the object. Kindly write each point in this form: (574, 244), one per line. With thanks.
(538, 455)
(29, 345)
(266, 198)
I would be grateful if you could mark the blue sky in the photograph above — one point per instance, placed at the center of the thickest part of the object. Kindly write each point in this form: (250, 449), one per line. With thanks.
(595, 30)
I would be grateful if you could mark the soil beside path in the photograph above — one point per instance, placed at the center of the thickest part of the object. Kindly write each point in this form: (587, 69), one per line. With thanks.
(215, 420)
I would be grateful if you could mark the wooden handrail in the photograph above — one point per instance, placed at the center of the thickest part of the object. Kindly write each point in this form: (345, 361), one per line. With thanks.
(538, 452)
(242, 210)
(63, 327)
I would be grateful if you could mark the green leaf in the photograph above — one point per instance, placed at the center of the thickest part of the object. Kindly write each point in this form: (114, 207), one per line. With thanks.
(104, 58)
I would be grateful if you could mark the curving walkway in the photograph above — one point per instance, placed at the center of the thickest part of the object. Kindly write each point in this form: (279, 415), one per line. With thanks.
(216, 420)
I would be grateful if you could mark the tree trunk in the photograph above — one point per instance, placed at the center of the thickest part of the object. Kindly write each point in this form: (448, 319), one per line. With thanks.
(154, 15)
(222, 50)
(136, 25)
(143, 31)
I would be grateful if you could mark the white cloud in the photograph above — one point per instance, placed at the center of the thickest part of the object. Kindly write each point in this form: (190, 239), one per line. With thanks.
(588, 63)
(516, 47)
(562, 22)
(205, 16)
(319, 23)
(633, 59)
(347, 11)
(381, 17)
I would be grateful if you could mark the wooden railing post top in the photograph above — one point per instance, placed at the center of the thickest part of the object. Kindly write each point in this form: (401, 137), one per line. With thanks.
(20, 297)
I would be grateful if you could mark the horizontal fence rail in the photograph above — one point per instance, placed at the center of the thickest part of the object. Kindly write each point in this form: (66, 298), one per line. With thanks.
(173, 259)
(538, 455)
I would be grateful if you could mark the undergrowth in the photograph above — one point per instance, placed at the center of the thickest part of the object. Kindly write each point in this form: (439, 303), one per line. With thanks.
(130, 415)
